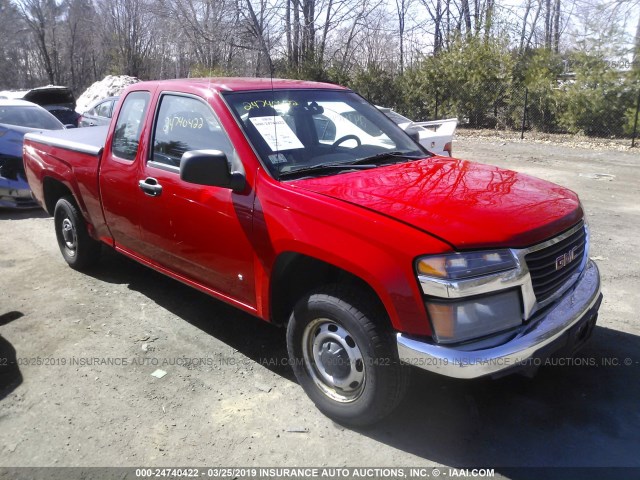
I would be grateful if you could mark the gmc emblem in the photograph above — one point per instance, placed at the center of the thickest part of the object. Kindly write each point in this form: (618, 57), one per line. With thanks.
(565, 259)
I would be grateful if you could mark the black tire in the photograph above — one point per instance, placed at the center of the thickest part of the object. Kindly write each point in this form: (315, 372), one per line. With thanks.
(334, 332)
(79, 250)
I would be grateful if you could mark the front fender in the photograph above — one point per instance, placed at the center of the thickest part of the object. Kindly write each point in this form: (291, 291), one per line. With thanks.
(376, 249)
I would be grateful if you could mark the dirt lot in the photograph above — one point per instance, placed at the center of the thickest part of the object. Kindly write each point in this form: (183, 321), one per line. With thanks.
(228, 399)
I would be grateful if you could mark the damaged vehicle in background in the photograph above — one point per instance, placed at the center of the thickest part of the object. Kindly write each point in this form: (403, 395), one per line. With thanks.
(18, 117)
(434, 135)
(57, 100)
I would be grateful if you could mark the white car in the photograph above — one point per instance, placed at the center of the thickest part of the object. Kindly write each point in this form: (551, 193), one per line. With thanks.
(436, 135)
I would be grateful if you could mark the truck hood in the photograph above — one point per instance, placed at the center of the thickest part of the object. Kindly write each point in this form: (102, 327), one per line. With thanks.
(466, 204)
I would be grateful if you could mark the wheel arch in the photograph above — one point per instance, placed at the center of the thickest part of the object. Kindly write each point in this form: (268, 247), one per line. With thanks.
(295, 274)
(53, 190)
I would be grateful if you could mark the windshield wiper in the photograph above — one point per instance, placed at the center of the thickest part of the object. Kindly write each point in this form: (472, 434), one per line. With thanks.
(361, 164)
(325, 166)
(386, 155)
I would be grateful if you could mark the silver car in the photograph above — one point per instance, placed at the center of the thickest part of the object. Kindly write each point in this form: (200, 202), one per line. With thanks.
(99, 113)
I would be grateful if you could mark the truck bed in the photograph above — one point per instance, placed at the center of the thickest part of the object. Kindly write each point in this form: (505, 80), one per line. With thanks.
(88, 140)
(72, 157)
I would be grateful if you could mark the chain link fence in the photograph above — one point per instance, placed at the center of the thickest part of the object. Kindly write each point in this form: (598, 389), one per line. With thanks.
(566, 106)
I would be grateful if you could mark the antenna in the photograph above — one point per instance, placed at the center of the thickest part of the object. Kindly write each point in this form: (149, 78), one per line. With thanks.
(275, 128)
(209, 78)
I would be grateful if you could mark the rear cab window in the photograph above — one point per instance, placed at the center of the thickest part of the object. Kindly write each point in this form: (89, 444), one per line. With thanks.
(126, 136)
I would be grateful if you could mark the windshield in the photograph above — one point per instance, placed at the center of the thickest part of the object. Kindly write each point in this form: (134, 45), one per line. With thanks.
(305, 130)
(26, 116)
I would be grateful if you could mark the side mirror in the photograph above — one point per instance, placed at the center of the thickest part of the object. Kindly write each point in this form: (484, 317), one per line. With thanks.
(210, 167)
(69, 125)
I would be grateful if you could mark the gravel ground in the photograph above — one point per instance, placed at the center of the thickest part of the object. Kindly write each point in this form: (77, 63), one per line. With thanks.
(228, 397)
(565, 140)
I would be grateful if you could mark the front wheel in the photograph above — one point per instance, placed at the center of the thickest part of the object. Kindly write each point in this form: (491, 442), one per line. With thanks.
(79, 250)
(343, 354)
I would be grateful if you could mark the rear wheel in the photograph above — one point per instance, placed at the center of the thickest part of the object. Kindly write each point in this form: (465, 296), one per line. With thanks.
(79, 250)
(343, 354)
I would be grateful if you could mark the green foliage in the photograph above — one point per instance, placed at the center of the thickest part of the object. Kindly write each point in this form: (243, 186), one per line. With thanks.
(312, 70)
(537, 71)
(201, 71)
(630, 121)
(375, 84)
(470, 80)
(420, 91)
(477, 74)
(597, 100)
(632, 112)
(482, 83)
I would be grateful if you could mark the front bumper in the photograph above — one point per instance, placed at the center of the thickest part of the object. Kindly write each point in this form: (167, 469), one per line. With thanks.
(564, 325)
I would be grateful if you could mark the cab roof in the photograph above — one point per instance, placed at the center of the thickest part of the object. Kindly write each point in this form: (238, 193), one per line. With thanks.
(239, 84)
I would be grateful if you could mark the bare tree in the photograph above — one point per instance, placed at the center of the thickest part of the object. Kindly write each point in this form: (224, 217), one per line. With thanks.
(488, 17)
(523, 30)
(465, 12)
(555, 41)
(41, 16)
(14, 71)
(336, 13)
(257, 28)
(80, 24)
(202, 31)
(436, 10)
(129, 26)
(636, 46)
(402, 8)
(625, 9)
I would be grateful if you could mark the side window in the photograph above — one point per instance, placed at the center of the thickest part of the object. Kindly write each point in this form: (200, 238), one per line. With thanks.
(129, 125)
(184, 124)
(112, 105)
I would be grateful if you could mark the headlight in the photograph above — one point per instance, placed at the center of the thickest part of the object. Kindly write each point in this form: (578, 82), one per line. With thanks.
(455, 266)
(473, 316)
(476, 317)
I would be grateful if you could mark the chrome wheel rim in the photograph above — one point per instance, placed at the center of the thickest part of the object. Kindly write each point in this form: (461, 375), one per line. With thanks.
(69, 236)
(333, 360)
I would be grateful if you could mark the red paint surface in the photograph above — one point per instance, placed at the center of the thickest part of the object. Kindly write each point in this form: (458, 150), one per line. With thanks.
(468, 204)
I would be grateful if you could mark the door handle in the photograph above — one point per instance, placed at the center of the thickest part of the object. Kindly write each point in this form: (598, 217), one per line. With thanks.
(150, 186)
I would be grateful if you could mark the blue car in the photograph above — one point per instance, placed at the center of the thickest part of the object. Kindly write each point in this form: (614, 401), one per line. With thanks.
(18, 117)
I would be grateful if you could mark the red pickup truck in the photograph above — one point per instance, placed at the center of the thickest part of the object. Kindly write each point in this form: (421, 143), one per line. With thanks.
(302, 204)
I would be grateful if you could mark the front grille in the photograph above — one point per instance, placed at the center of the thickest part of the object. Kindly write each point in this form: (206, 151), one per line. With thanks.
(545, 277)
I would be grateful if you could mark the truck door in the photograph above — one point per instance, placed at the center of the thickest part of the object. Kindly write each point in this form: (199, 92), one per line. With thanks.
(200, 232)
(118, 175)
